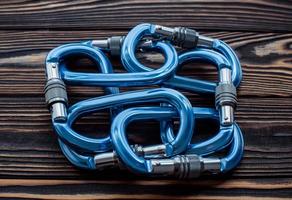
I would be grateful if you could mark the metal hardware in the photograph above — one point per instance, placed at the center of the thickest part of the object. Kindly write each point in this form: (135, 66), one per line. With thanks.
(226, 97)
(184, 37)
(176, 155)
(55, 93)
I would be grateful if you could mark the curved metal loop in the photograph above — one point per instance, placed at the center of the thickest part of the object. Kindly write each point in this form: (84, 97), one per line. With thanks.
(228, 52)
(196, 85)
(59, 55)
(56, 69)
(111, 159)
(162, 159)
(119, 139)
(224, 135)
(147, 166)
(219, 141)
(190, 39)
(77, 159)
(220, 50)
(112, 79)
(225, 91)
(235, 153)
(129, 47)
(165, 95)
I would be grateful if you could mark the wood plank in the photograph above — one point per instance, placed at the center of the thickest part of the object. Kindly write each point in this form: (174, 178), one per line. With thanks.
(31, 164)
(26, 122)
(28, 145)
(265, 57)
(162, 189)
(259, 15)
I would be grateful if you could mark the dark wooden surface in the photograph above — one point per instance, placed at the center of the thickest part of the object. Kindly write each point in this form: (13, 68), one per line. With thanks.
(31, 164)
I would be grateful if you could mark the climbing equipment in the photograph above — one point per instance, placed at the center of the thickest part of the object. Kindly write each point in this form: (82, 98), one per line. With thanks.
(176, 155)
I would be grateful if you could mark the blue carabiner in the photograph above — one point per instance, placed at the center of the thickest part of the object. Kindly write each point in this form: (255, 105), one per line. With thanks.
(231, 56)
(106, 77)
(227, 163)
(220, 51)
(143, 165)
(60, 53)
(196, 85)
(88, 153)
(77, 159)
(222, 139)
(224, 136)
(112, 79)
(165, 95)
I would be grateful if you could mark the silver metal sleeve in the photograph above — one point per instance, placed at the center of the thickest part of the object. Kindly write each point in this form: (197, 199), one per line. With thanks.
(205, 41)
(226, 111)
(185, 166)
(106, 160)
(150, 151)
(104, 44)
(54, 87)
(162, 30)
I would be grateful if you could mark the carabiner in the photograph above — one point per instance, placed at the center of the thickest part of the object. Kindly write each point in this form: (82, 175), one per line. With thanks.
(114, 149)
(189, 165)
(217, 142)
(165, 95)
(183, 37)
(225, 102)
(196, 85)
(110, 79)
(185, 166)
(190, 39)
(57, 71)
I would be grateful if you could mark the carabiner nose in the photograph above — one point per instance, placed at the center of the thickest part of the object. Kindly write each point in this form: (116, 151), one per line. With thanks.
(131, 41)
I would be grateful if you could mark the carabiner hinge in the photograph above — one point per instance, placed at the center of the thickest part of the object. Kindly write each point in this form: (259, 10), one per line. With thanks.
(226, 97)
(55, 93)
(184, 37)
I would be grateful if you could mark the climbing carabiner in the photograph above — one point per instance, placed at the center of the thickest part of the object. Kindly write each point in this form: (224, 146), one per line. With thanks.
(225, 96)
(217, 142)
(58, 74)
(185, 166)
(176, 155)
(109, 79)
(189, 165)
(92, 105)
(179, 36)
(190, 39)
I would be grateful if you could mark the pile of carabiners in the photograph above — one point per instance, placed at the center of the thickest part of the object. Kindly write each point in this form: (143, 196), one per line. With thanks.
(177, 155)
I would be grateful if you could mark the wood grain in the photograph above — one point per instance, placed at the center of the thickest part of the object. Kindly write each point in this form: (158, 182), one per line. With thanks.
(28, 145)
(31, 164)
(265, 57)
(259, 15)
(162, 189)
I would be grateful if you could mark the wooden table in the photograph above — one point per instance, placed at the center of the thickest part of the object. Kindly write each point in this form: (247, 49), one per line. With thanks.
(31, 164)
